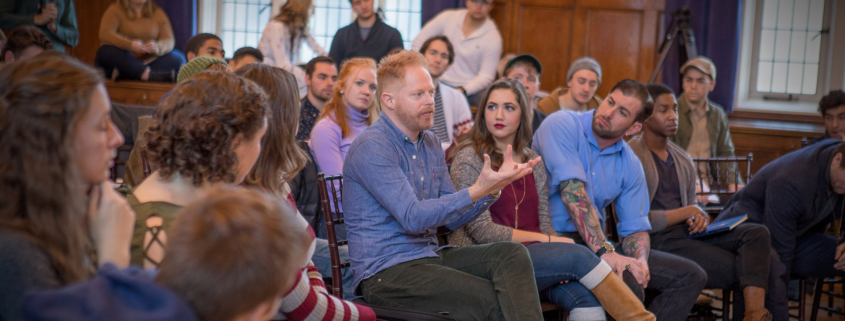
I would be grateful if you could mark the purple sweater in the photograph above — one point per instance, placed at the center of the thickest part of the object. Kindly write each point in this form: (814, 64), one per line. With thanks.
(329, 147)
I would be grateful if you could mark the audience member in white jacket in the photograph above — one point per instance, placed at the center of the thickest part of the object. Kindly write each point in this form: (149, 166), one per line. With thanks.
(283, 36)
(478, 46)
(452, 116)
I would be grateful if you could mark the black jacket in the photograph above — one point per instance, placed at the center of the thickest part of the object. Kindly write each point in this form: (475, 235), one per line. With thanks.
(304, 189)
(347, 42)
(791, 196)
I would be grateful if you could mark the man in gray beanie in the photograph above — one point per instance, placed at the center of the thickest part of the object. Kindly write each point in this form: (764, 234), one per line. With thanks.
(582, 80)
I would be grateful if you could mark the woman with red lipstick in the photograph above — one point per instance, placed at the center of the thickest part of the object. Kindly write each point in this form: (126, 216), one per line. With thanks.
(569, 275)
(60, 217)
(351, 109)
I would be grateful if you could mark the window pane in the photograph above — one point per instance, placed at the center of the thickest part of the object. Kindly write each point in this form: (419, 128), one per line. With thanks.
(767, 45)
(333, 17)
(404, 5)
(320, 3)
(416, 24)
(799, 17)
(318, 26)
(813, 48)
(782, 46)
(811, 74)
(252, 17)
(391, 5)
(785, 14)
(240, 17)
(816, 15)
(764, 76)
(779, 77)
(796, 71)
(770, 14)
(228, 42)
(228, 22)
(798, 46)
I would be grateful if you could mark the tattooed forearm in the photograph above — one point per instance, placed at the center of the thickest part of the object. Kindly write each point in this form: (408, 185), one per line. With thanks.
(637, 245)
(583, 213)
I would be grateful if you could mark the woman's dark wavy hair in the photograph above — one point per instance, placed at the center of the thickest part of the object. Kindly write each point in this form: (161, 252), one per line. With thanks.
(281, 158)
(480, 138)
(194, 128)
(42, 101)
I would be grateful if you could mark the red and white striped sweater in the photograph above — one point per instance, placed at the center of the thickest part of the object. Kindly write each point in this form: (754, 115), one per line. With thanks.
(309, 300)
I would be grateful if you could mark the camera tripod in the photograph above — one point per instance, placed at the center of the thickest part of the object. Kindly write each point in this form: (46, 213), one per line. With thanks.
(680, 27)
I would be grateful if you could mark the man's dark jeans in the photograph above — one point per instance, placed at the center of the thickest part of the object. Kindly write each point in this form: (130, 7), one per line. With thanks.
(676, 283)
(732, 260)
(110, 58)
(813, 258)
(481, 282)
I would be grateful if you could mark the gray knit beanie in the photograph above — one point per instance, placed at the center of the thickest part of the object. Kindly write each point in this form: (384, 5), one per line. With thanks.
(581, 64)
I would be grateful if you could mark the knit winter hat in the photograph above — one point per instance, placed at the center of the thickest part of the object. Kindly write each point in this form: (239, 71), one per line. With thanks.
(584, 63)
(197, 65)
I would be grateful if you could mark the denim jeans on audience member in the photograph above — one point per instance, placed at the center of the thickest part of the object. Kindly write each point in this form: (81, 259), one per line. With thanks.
(556, 262)
(339, 230)
(675, 283)
(128, 67)
(323, 261)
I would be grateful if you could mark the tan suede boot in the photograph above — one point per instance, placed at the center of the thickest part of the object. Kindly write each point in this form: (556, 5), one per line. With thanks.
(758, 315)
(754, 301)
(618, 300)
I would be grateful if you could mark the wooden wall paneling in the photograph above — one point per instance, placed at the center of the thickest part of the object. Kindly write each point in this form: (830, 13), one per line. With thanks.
(768, 140)
(613, 38)
(502, 14)
(545, 31)
(88, 16)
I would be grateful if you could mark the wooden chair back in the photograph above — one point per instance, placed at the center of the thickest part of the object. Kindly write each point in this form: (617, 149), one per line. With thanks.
(718, 175)
(330, 194)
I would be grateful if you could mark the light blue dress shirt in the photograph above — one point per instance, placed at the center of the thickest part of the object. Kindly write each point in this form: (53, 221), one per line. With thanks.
(395, 195)
(569, 149)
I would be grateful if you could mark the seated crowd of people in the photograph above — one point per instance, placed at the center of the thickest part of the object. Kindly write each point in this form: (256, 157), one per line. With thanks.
(219, 216)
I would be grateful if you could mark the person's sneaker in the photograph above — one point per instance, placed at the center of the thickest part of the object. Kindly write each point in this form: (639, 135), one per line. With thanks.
(758, 315)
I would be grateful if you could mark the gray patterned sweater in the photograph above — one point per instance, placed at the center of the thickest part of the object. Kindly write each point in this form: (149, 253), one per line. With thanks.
(466, 167)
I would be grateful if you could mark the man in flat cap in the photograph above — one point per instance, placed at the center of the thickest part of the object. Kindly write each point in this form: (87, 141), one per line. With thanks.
(703, 129)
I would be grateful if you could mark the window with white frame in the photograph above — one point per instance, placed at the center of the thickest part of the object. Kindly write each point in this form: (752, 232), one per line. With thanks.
(790, 50)
(240, 23)
(243, 21)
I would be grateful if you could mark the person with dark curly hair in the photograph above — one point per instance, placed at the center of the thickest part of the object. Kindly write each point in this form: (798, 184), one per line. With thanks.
(832, 108)
(60, 218)
(207, 133)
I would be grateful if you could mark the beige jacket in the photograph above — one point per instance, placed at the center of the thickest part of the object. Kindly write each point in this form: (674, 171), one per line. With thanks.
(551, 103)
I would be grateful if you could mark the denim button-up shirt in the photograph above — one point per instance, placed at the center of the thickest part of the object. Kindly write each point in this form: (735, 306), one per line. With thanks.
(395, 195)
(570, 150)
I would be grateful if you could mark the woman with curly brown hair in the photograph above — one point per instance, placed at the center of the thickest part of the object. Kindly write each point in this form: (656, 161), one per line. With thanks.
(59, 216)
(280, 160)
(283, 36)
(205, 134)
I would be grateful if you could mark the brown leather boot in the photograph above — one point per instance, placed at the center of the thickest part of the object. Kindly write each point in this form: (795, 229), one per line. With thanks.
(618, 300)
(758, 315)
